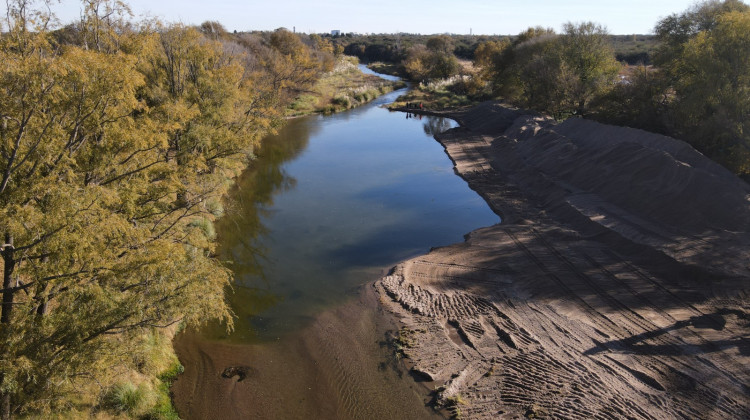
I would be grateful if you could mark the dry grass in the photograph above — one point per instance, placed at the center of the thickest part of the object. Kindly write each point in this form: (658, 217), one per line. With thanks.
(343, 88)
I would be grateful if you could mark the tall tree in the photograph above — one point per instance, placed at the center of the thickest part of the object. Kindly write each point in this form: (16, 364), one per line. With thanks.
(587, 53)
(711, 80)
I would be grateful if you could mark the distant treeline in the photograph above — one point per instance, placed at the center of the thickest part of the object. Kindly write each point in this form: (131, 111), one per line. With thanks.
(630, 49)
(118, 140)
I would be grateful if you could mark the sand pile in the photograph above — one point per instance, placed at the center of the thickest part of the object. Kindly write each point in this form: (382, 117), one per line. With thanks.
(617, 285)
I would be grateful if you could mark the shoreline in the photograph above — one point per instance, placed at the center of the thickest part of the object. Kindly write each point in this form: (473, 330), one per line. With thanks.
(337, 378)
(317, 372)
(586, 298)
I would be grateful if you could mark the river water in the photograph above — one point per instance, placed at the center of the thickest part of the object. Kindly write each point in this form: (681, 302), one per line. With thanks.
(332, 203)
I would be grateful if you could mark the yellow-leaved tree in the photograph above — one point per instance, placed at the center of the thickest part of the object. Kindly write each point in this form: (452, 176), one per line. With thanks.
(115, 151)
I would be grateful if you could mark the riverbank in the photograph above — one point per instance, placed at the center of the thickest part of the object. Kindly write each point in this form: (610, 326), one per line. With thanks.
(308, 229)
(330, 369)
(617, 284)
(345, 87)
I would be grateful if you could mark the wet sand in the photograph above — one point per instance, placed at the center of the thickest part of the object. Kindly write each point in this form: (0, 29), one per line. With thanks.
(344, 368)
(616, 286)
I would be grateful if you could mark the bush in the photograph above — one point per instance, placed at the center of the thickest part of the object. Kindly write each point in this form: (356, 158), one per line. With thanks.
(342, 101)
(127, 398)
(206, 226)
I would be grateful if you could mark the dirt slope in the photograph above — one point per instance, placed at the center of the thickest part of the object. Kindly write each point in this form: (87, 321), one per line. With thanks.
(616, 286)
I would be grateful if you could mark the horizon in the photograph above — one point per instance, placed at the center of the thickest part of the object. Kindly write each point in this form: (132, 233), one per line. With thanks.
(475, 17)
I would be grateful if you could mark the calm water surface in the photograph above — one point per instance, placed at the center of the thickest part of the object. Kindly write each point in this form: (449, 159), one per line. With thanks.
(331, 203)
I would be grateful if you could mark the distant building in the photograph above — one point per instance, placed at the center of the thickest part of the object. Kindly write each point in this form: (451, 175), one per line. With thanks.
(335, 32)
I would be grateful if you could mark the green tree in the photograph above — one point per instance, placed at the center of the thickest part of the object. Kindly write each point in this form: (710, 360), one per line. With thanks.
(643, 101)
(558, 74)
(440, 44)
(712, 93)
(425, 63)
(588, 55)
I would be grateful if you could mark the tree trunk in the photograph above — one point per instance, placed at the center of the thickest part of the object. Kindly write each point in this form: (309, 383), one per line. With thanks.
(8, 253)
(9, 263)
(5, 409)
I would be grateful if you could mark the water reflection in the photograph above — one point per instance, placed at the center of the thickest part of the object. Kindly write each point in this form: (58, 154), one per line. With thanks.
(250, 203)
(330, 204)
(437, 125)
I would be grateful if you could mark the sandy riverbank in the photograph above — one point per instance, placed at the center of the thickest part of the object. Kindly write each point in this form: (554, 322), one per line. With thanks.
(616, 286)
(340, 367)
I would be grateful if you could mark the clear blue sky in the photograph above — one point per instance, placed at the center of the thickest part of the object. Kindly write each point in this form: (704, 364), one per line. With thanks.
(416, 16)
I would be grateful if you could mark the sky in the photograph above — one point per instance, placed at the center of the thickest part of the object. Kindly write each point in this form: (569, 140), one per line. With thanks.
(502, 17)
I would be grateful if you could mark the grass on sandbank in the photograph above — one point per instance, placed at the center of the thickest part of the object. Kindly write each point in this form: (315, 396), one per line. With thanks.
(343, 88)
(393, 69)
(445, 94)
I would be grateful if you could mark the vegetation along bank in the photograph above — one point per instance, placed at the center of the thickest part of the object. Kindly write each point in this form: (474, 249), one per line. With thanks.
(118, 140)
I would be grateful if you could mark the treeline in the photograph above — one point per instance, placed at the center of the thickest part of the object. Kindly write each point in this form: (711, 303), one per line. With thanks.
(117, 141)
(697, 89)
(393, 48)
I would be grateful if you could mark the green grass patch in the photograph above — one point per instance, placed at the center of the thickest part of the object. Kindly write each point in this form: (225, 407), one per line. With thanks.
(127, 398)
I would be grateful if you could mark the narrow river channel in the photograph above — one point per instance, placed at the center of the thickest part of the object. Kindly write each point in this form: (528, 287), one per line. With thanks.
(329, 205)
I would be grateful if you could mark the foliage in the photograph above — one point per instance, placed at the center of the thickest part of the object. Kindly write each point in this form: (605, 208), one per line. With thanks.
(642, 101)
(343, 88)
(699, 91)
(636, 49)
(710, 75)
(438, 95)
(116, 143)
(433, 61)
(126, 398)
(589, 56)
(558, 74)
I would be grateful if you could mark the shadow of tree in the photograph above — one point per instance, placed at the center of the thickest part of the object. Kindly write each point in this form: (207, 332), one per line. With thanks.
(636, 344)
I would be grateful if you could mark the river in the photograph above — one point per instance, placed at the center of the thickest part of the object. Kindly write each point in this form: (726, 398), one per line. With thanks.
(329, 205)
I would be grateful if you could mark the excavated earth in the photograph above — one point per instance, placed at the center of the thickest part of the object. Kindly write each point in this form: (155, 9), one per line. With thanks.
(616, 286)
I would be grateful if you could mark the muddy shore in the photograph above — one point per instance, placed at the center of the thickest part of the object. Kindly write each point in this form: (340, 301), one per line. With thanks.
(617, 285)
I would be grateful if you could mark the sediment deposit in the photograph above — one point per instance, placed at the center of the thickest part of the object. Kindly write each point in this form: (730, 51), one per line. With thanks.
(615, 287)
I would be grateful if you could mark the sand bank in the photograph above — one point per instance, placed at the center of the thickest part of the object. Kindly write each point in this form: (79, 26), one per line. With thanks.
(616, 286)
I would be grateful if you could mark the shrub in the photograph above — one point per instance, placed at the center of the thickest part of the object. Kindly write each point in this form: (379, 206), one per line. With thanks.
(127, 398)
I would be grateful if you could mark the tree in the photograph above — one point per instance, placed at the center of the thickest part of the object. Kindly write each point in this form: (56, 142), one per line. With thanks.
(214, 30)
(711, 80)
(643, 101)
(102, 22)
(422, 63)
(558, 74)
(591, 59)
(441, 44)
(488, 59)
(293, 66)
(111, 166)
(677, 29)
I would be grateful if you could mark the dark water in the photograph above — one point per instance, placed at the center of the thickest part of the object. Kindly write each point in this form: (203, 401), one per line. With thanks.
(331, 203)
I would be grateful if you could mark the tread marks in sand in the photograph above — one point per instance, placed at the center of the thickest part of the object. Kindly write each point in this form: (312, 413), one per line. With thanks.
(530, 318)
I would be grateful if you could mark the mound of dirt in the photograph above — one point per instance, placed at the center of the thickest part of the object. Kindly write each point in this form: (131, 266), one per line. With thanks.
(616, 286)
